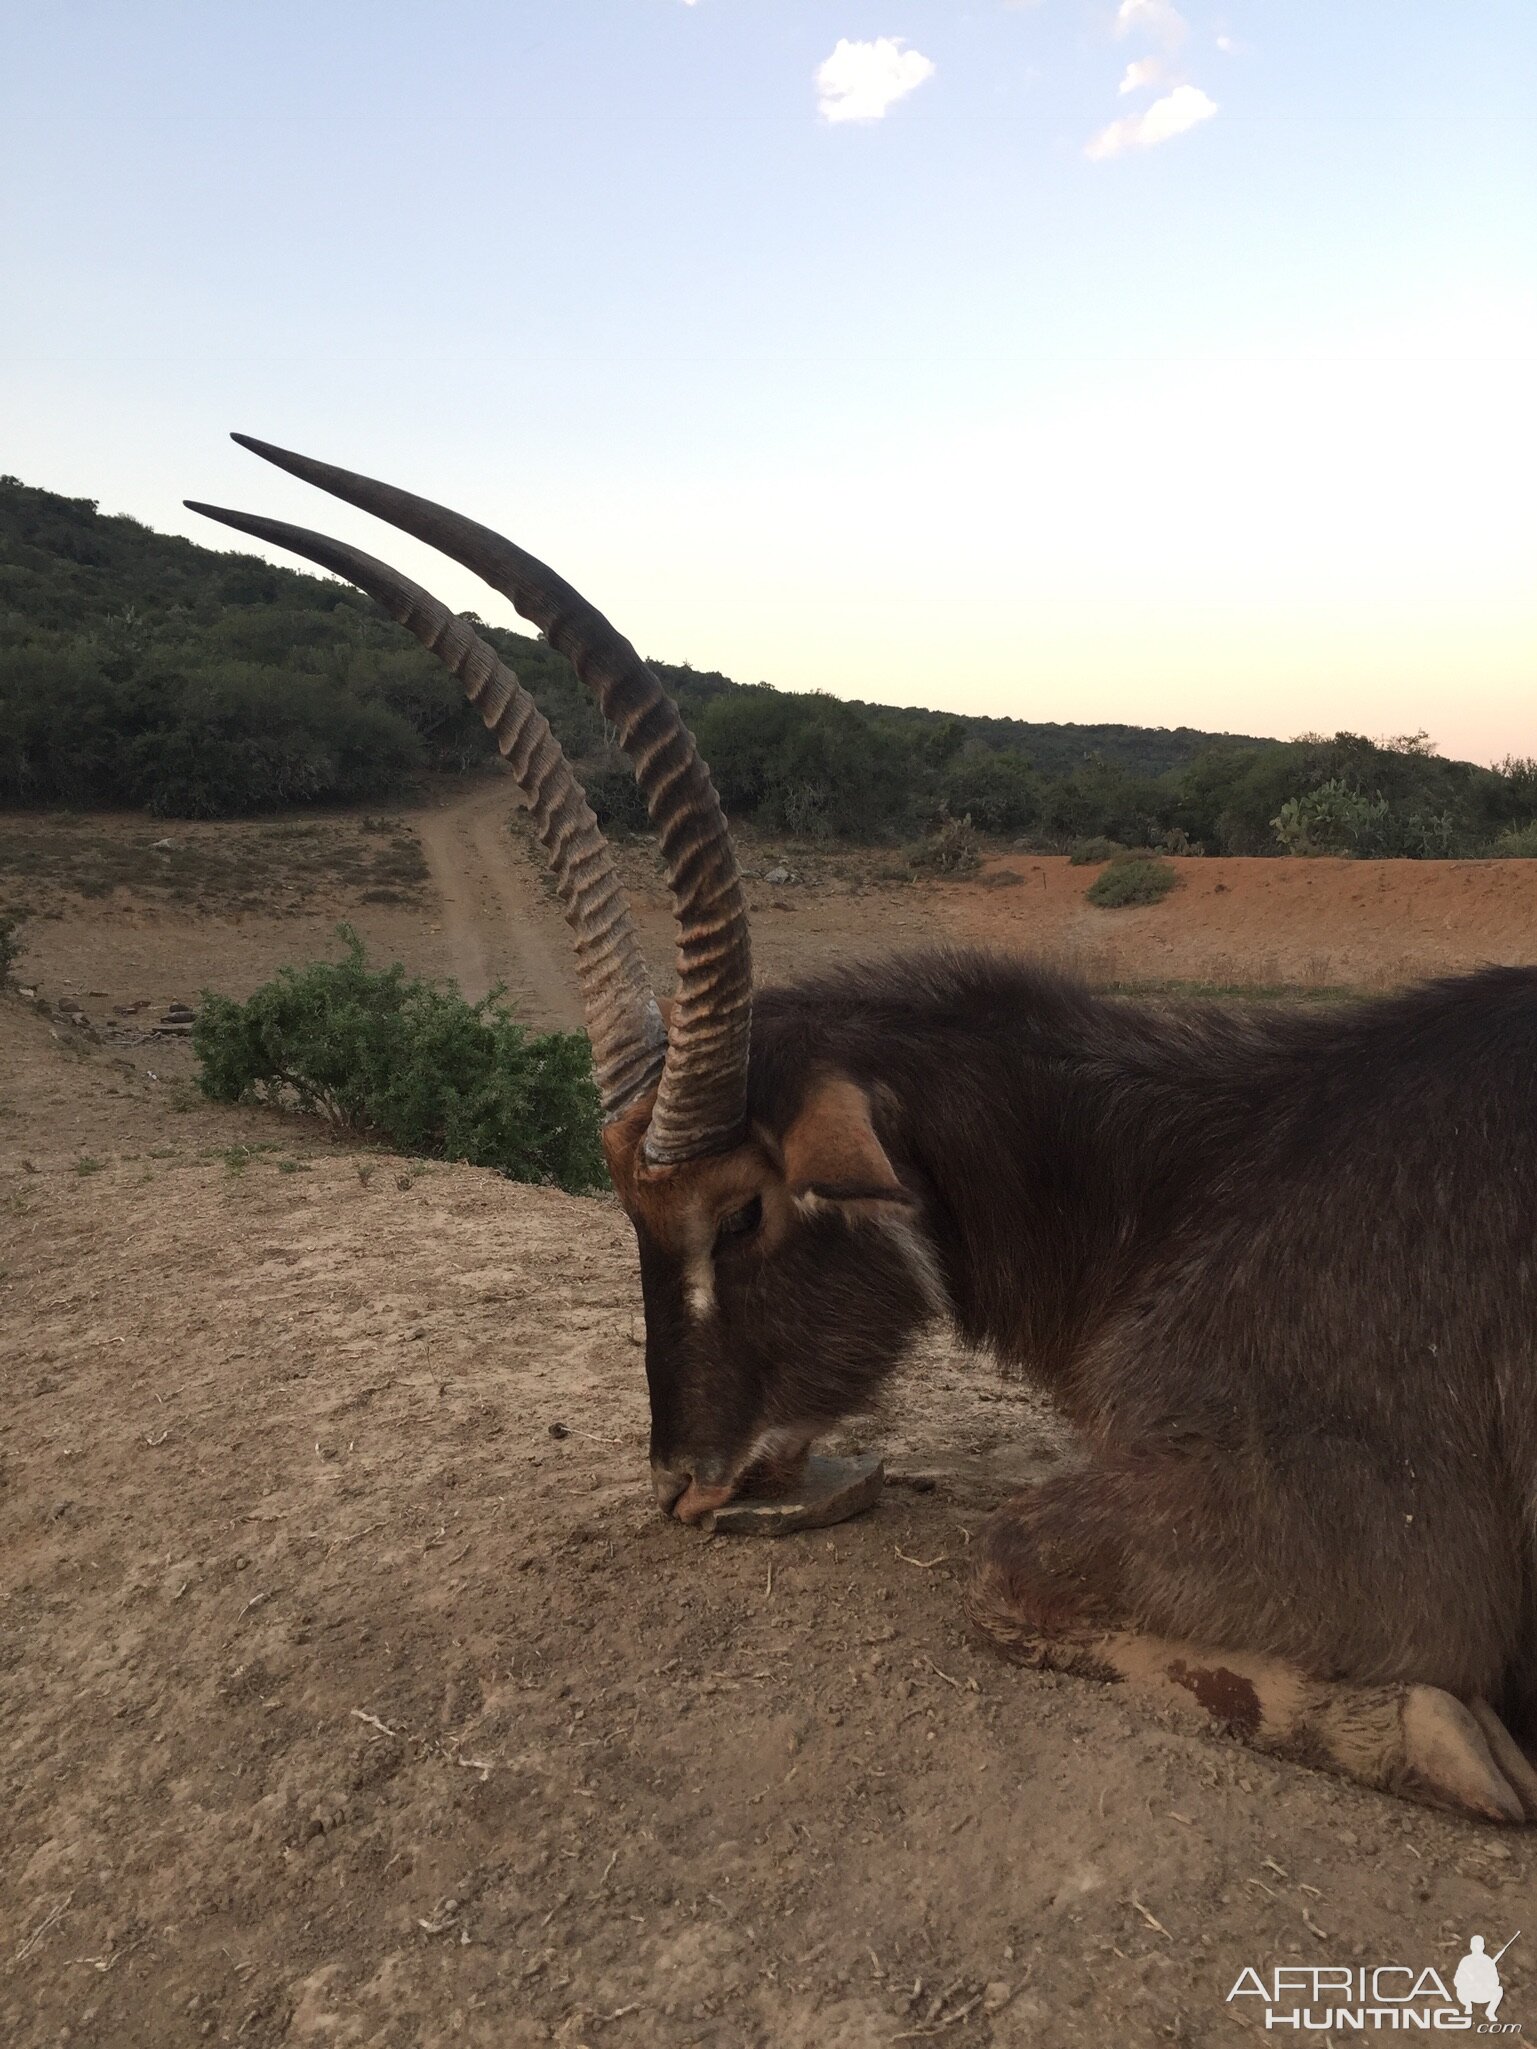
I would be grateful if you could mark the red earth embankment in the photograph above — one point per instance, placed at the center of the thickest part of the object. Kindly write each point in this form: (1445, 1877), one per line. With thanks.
(1365, 924)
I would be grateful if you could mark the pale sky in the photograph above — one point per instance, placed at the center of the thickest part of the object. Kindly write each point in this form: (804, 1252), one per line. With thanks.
(1063, 358)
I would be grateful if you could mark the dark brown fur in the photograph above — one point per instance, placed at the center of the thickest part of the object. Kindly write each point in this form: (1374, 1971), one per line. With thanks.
(1280, 1269)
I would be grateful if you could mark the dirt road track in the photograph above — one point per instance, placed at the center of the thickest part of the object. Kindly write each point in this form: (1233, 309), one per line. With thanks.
(498, 925)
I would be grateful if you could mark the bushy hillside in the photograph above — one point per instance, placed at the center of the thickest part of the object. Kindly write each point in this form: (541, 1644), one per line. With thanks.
(138, 668)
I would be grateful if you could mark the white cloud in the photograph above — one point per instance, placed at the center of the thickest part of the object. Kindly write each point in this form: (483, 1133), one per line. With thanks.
(1186, 107)
(1227, 46)
(859, 81)
(1159, 19)
(1146, 71)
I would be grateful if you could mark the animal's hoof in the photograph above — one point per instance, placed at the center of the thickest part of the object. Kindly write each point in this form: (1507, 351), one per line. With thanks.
(829, 1490)
(1513, 1763)
(1451, 1764)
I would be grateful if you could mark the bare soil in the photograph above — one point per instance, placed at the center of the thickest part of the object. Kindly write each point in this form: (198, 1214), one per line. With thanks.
(353, 1693)
(1315, 924)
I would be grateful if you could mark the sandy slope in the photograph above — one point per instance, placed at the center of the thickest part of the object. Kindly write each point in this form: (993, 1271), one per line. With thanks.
(352, 1692)
(284, 1451)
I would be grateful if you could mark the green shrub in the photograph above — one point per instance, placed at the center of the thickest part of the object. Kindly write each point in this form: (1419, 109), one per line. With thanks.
(950, 849)
(615, 797)
(411, 1063)
(807, 765)
(1133, 879)
(1086, 852)
(1333, 819)
(999, 793)
(1519, 844)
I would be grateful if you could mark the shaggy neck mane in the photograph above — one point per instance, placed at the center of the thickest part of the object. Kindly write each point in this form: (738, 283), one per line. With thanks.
(1068, 1145)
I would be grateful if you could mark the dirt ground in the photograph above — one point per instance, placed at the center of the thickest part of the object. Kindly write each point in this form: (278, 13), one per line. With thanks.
(353, 1693)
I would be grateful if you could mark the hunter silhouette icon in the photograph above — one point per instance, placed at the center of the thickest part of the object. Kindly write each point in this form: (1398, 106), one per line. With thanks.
(1477, 1978)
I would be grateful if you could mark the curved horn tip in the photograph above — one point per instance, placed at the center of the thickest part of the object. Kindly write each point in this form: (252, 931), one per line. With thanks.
(297, 465)
(242, 522)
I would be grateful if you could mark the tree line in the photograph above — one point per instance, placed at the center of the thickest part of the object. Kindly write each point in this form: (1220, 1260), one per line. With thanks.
(140, 669)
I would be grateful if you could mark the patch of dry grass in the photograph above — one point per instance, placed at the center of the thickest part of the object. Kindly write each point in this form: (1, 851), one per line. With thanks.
(232, 866)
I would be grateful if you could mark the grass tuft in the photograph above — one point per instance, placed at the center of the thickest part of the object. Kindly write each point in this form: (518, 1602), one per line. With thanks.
(1131, 879)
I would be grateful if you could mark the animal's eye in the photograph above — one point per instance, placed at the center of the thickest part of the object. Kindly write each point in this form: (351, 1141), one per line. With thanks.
(742, 1222)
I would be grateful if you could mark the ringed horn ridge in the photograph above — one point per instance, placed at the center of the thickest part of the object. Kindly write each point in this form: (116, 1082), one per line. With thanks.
(701, 1098)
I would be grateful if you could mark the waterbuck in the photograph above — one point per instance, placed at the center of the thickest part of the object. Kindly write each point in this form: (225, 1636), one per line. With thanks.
(1280, 1270)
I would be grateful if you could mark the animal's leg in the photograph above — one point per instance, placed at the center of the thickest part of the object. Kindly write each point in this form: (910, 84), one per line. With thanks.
(1048, 1590)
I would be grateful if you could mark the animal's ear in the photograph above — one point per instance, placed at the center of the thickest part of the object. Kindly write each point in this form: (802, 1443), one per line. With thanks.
(831, 1152)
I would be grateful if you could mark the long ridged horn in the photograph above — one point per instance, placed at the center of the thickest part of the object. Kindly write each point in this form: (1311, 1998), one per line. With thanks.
(701, 1102)
(628, 1041)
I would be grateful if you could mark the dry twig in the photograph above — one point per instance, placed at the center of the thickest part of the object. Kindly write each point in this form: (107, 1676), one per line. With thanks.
(1152, 1920)
(945, 2020)
(30, 1942)
(373, 1721)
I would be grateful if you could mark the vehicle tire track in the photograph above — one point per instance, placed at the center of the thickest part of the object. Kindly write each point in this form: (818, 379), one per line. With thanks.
(498, 926)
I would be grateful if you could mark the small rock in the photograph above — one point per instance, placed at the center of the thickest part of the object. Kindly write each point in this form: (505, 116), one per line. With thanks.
(559, 1430)
(830, 1490)
(777, 877)
(996, 1996)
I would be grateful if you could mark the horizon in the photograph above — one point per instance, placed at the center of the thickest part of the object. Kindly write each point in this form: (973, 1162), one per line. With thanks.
(299, 566)
(1246, 302)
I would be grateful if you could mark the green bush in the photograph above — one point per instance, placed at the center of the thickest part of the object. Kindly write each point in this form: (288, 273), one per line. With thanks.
(950, 849)
(808, 765)
(615, 797)
(250, 739)
(411, 1063)
(1133, 879)
(1087, 852)
(1333, 819)
(1519, 844)
(998, 792)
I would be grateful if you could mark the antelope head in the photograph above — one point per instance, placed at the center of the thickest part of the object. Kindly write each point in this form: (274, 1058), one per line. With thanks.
(782, 1264)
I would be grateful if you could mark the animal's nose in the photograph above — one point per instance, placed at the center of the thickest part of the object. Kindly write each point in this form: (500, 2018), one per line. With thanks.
(690, 1495)
(670, 1484)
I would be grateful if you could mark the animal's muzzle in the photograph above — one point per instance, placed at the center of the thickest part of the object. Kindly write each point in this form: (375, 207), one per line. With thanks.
(689, 1496)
